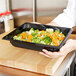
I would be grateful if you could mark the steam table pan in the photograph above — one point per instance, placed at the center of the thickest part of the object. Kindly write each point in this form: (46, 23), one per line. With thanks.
(36, 46)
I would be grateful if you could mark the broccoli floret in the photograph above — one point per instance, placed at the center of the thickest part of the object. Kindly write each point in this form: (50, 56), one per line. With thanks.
(35, 32)
(50, 32)
(42, 32)
(57, 31)
(17, 37)
(36, 39)
(52, 43)
(47, 40)
(32, 29)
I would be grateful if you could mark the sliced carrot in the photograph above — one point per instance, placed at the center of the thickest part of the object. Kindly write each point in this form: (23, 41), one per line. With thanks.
(30, 36)
(50, 36)
(28, 40)
(42, 37)
(39, 35)
(61, 38)
(22, 38)
(23, 35)
(42, 31)
(55, 41)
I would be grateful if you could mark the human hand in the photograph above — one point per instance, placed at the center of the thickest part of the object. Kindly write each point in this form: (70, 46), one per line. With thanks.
(68, 47)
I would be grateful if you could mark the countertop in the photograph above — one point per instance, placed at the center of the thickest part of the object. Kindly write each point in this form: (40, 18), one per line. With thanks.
(27, 59)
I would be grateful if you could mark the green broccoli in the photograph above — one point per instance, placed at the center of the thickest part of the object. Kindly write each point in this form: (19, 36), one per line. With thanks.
(32, 29)
(47, 40)
(57, 31)
(17, 37)
(36, 39)
(34, 33)
(52, 43)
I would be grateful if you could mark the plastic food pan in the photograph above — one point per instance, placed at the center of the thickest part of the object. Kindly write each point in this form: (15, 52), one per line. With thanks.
(36, 46)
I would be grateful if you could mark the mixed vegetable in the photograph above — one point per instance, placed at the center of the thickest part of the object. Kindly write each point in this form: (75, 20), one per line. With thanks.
(48, 36)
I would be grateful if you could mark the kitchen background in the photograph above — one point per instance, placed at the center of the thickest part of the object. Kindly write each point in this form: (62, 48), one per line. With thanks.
(46, 10)
(22, 10)
(44, 7)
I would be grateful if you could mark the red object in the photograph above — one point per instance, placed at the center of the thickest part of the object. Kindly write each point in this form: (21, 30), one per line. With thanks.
(0, 14)
(8, 12)
(4, 14)
(22, 9)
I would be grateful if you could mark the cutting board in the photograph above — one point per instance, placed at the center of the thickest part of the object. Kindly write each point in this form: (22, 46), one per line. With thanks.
(27, 59)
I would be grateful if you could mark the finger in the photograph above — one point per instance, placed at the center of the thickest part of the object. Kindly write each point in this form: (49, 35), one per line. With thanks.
(48, 55)
(51, 56)
(56, 54)
(46, 51)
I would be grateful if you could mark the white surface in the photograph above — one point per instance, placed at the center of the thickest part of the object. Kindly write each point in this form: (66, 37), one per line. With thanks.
(22, 13)
(68, 17)
(2, 6)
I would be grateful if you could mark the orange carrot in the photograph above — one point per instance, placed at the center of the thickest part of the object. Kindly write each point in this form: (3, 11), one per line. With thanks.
(39, 35)
(23, 35)
(42, 37)
(55, 41)
(28, 40)
(42, 31)
(61, 38)
(30, 36)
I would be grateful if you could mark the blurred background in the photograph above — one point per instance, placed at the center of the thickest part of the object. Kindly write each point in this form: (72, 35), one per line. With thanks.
(22, 10)
(44, 7)
(46, 10)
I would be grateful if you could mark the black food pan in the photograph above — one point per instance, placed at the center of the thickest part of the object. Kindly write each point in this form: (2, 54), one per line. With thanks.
(36, 46)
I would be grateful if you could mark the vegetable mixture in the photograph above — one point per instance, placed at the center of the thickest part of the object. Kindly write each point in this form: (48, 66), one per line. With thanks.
(48, 36)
